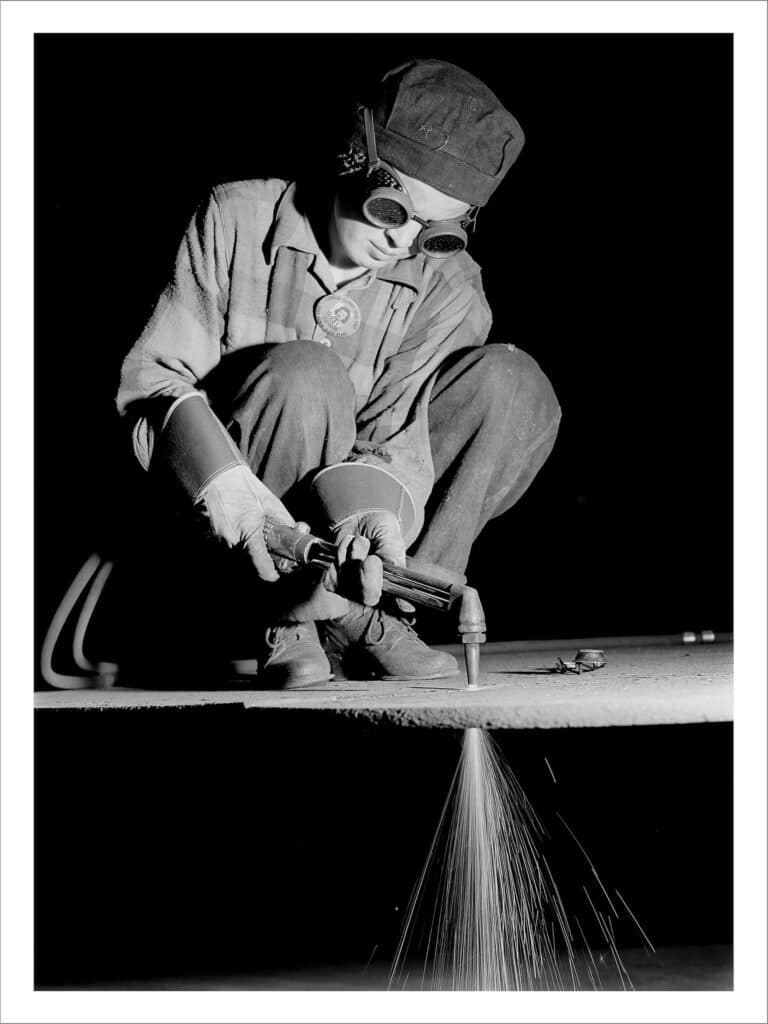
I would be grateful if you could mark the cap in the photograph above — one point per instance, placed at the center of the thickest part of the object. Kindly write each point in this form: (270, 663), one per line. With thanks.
(438, 123)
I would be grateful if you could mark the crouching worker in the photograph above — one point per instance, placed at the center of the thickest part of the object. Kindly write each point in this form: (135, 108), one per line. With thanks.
(320, 354)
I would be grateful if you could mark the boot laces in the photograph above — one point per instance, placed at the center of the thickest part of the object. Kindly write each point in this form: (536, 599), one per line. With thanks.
(279, 637)
(381, 621)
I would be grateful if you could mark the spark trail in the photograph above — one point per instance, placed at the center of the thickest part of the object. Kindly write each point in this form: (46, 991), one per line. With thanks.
(497, 921)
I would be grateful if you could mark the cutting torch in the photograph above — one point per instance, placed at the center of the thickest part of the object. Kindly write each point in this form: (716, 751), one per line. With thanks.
(436, 588)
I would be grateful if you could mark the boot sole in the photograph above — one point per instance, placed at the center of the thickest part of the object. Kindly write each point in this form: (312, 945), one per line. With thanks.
(365, 675)
(405, 679)
(305, 685)
(248, 668)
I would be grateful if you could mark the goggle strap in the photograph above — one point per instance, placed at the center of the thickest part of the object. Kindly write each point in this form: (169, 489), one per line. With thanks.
(370, 140)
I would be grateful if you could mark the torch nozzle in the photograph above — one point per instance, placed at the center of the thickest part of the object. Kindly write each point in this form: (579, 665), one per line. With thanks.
(472, 632)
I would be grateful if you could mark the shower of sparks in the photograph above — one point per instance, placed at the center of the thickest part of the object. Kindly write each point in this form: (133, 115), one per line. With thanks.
(497, 921)
(373, 954)
(591, 865)
(647, 941)
(492, 927)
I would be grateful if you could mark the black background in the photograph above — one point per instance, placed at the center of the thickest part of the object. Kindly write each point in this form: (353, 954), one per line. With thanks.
(212, 842)
(606, 255)
(207, 842)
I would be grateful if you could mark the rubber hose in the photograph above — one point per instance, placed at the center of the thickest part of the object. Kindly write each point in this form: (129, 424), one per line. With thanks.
(86, 614)
(59, 620)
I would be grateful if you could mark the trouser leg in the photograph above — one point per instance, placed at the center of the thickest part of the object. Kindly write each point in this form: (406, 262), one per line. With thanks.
(493, 420)
(291, 410)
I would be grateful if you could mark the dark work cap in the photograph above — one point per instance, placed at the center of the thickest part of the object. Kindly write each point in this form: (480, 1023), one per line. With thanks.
(436, 122)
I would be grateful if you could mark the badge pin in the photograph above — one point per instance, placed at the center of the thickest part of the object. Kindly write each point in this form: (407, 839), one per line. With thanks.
(337, 315)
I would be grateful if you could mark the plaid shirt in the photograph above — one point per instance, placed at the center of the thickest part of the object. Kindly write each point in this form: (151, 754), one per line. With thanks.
(250, 271)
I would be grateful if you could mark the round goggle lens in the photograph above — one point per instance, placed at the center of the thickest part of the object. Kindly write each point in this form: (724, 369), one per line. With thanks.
(442, 245)
(385, 212)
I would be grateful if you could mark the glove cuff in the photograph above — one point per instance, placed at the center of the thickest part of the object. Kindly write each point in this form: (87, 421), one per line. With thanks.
(354, 488)
(193, 446)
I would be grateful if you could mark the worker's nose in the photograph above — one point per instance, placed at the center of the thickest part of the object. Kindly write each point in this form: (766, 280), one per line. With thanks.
(403, 236)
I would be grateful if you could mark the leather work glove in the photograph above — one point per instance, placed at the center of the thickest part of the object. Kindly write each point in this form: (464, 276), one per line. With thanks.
(381, 528)
(196, 451)
(236, 503)
(358, 569)
(360, 499)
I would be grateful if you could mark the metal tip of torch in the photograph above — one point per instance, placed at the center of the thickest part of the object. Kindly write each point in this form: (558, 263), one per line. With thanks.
(472, 632)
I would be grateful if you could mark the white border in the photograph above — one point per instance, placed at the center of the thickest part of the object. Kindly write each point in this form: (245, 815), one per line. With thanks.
(747, 20)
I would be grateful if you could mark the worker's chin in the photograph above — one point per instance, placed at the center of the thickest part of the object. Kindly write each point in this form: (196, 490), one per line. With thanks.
(378, 262)
(359, 259)
(370, 263)
(369, 258)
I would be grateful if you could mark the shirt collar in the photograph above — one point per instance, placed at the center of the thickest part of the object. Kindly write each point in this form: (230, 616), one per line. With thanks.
(408, 272)
(292, 229)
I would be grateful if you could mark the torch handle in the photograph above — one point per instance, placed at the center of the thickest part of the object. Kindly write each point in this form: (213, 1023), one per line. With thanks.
(410, 583)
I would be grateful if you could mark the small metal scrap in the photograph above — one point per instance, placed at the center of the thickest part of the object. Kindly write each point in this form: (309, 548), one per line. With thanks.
(585, 661)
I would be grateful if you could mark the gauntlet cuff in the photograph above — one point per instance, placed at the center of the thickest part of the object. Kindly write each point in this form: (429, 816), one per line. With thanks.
(354, 488)
(193, 446)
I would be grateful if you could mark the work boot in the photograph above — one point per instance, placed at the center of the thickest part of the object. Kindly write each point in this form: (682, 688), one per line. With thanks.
(294, 657)
(371, 644)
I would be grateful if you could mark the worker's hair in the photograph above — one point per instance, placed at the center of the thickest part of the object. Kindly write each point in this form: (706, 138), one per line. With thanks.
(352, 160)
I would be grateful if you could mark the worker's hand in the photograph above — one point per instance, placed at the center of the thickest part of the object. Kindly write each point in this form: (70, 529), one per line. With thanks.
(382, 531)
(236, 503)
(356, 574)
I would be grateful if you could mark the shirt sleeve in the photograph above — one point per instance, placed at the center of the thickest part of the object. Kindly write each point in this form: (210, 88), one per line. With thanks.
(393, 428)
(181, 342)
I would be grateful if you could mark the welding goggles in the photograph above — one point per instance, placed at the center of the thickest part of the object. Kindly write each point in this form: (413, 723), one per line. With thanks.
(386, 204)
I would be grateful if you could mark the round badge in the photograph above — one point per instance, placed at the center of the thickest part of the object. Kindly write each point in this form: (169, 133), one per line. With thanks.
(337, 315)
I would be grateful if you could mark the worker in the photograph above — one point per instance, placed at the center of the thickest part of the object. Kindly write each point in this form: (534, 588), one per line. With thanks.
(322, 354)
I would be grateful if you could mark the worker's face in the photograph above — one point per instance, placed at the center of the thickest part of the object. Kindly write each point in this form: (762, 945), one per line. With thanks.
(356, 243)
